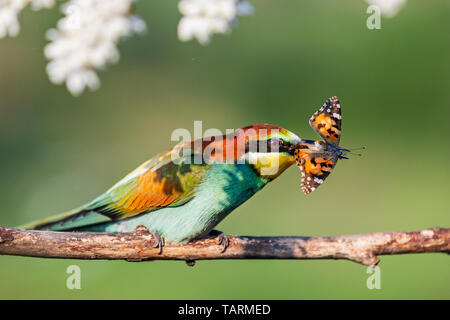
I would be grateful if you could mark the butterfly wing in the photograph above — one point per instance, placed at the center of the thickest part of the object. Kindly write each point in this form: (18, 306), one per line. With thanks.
(327, 121)
(315, 168)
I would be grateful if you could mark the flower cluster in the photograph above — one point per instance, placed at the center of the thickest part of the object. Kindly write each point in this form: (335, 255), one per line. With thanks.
(9, 12)
(86, 39)
(202, 18)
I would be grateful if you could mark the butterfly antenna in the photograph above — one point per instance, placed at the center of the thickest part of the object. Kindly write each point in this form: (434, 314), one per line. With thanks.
(355, 154)
(360, 148)
(354, 149)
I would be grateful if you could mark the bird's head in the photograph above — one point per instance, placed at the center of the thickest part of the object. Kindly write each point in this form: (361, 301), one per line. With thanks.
(268, 148)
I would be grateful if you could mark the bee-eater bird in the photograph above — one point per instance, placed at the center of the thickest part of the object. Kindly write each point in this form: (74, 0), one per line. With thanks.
(183, 193)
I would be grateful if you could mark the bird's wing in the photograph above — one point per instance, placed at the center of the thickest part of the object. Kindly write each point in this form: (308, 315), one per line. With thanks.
(159, 182)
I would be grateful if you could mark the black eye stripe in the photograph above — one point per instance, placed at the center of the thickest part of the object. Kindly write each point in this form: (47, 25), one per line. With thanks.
(277, 145)
(270, 145)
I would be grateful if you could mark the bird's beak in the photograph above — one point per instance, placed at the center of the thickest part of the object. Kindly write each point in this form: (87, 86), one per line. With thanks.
(301, 145)
(292, 149)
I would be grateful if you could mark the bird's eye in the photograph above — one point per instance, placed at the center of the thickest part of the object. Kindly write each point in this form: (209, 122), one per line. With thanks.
(274, 145)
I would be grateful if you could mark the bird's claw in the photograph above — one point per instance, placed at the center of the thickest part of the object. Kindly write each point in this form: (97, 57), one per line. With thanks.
(224, 241)
(159, 241)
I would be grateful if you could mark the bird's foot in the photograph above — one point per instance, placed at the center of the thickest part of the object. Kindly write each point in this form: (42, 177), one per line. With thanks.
(159, 240)
(222, 239)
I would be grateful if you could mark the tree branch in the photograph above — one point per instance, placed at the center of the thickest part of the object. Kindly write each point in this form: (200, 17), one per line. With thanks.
(138, 246)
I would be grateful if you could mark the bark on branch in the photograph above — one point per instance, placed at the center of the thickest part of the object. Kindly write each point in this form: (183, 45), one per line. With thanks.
(138, 246)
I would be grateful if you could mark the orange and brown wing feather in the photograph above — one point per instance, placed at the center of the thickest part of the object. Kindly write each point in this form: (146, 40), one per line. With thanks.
(150, 188)
(153, 191)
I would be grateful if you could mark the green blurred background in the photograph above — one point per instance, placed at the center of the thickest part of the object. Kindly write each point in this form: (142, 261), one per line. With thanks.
(277, 66)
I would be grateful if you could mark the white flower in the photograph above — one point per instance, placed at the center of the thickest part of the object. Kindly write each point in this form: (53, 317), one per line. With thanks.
(40, 4)
(9, 12)
(202, 18)
(86, 39)
(388, 8)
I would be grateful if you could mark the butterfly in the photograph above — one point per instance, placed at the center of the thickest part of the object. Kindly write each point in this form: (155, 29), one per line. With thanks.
(316, 159)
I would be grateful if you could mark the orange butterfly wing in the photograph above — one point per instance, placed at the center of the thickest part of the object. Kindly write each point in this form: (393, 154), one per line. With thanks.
(327, 121)
(315, 168)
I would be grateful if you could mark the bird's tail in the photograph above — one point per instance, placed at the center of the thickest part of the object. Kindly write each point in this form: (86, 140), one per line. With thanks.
(79, 217)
